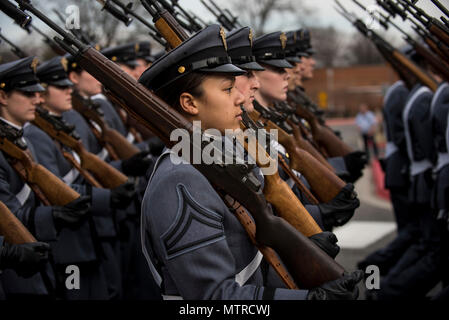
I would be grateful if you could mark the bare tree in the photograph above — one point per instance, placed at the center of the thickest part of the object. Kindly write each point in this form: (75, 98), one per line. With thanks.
(329, 44)
(257, 13)
(362, 51)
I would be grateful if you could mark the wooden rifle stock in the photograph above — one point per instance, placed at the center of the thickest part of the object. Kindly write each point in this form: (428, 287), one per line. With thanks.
(107, 176)
(12, 229)
(121, 147)
(441, 50)
(438, 65)
(421, 75)
(86, 174)
(56, 192)
(439, 33)
(298, 182)
(324, 184)
(278, 193)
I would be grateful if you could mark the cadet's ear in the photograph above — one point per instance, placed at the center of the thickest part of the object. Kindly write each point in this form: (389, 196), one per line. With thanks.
(3, 97)
(187, 103)
(73, 76)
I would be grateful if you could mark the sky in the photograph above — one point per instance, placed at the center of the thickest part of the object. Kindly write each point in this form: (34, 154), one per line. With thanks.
(323, 15)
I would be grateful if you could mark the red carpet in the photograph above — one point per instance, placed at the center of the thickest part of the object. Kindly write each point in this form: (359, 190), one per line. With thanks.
(379, 180)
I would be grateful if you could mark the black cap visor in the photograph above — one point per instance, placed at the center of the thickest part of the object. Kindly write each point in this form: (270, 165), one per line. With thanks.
(311, 51)
(225, 68)
(293, 60)
(33, 87)
(61, 83)
(251, 66)
(278, 63)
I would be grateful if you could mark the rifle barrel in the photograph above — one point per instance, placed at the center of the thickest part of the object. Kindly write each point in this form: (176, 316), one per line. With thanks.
(441, 7)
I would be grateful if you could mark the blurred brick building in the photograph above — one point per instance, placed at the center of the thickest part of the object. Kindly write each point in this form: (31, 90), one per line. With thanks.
(341, 90)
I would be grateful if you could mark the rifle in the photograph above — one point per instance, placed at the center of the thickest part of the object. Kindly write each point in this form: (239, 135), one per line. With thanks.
(127, 10)
(181, 19)
(79, 33)
(439, 65)
(191, 17)
(434, 26)
(49, 41)
(105, 176)
(116, 144)
(50, 189)
(164, 22)
(12, 229)
(19, 17)
(323, 182)
(15, 49)
(322, 135)
(387, 48)
(441, 7)
(109, 7)
(433, 42)
(236, 180)
(218, 13)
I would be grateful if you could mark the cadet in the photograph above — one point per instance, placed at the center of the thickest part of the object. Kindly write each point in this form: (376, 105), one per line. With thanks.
(420, 268)
(206, 259)
(349, 167)
(135, 279)
(143, 57)
(64, 228)
(396, 181)
(269, 51)
(57, 100)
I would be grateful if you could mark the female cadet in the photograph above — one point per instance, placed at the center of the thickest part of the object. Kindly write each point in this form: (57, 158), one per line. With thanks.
(56, 225)
(274, 84)
(195, 246)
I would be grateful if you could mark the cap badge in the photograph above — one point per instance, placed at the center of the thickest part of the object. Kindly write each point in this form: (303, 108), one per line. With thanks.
(283, 38)
(2, 85)
(114, 58)
(136, 47)
(181, 69)
(64, 64)
(223, 37)
(250, 36)
(34, 64)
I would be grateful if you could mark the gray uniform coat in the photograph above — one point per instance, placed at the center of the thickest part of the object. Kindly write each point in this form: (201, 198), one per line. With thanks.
(197, 244)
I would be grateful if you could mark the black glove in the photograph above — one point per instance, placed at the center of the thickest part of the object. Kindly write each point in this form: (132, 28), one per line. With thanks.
(73, 213)
(339, 210)
(138, 164)
(156, 146)
(443, 218)
(383, 164)
(122, 196)
(26, 259)
(344, 288)
(327, 242)
(355, 163)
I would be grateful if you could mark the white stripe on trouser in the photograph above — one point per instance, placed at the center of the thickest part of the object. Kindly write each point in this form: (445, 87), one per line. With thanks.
(420, 166)
(443, 160)
(23, 194)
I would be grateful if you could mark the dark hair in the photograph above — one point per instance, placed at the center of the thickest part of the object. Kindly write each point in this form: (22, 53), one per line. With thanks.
(190, 83)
